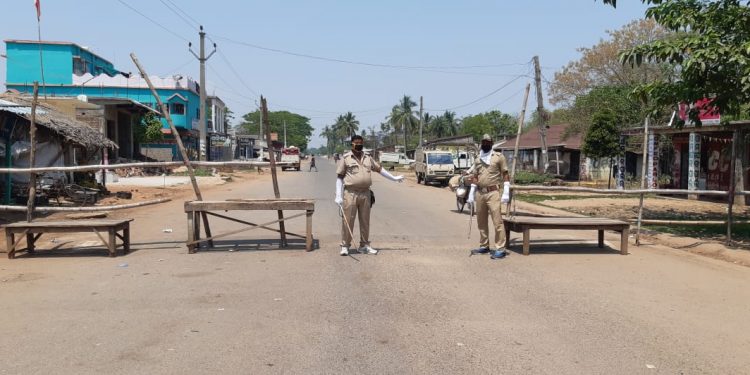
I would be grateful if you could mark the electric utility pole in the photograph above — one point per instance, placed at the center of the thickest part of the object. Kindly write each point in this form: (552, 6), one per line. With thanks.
(421, 120)
(202, 58)
(540, 112)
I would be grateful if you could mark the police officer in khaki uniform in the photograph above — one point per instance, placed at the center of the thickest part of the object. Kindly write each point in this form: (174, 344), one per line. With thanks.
(489, 171)
(353, 194)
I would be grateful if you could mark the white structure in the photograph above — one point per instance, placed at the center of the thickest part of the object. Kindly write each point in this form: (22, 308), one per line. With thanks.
(216, 123)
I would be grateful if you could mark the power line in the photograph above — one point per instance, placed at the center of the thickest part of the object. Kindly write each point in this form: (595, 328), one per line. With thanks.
(153, 21)
(236, 74)
(482, 97)
(184, 12)
(353, 62)
(190, 25)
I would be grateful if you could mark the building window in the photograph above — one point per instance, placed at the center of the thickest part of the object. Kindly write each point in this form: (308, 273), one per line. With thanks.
(79, 66)
(177, 109)
(198, 113)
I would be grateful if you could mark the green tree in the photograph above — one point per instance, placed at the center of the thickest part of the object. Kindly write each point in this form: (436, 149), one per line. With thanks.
(710, 47)
(600, 64)
(602, 140)
(148, 129)
(403, 117)
(445, 125)
(298, 127)
(617, 99)
(348, 125)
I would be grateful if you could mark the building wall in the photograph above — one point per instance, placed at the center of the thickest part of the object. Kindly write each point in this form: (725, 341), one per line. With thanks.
(23, 64)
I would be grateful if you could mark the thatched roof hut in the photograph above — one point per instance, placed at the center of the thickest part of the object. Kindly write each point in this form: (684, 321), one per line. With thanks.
(68, 128)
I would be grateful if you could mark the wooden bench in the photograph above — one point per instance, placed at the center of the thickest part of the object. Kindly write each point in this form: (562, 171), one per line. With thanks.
(196, 209)
(34, 230)
(524, 224)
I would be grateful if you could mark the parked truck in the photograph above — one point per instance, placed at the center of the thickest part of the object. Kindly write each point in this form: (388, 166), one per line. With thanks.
(390, 160)
(433, 166)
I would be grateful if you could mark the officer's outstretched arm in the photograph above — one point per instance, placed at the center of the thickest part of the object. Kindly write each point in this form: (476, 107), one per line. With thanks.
(339, 191)
(389, 176)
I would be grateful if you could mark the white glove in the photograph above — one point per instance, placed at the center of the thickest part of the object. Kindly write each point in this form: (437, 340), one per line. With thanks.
(505, 198)
(339, 191)
(473, 190)
(391, 177)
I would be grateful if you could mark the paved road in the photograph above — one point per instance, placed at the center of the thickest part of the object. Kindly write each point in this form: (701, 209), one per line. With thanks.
(420, 306)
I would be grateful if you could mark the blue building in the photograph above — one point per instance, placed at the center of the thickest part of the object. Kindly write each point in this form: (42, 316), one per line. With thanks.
(71, 70)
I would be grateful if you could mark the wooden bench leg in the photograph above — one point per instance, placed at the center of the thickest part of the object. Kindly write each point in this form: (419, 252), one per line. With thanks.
(308, 234)
(601, 238)
(507, 235)
(126, 238)
(191, 232)
(112, 243)
(10, 243)
(624, 241)
(30, 242)
(526, 241)
(197, 229)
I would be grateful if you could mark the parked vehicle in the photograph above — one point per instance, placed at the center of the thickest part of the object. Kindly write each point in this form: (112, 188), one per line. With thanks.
(433, 166)
(463, 160)
(392, 159)
(290, 155)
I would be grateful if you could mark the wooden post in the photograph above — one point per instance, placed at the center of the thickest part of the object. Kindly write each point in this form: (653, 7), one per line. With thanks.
(32, 155)
(732, 186)
(272, 160)
(183, 152)
(643, 182)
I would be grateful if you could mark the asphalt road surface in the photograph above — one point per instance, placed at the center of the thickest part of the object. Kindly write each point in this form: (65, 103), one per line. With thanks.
(421, 306)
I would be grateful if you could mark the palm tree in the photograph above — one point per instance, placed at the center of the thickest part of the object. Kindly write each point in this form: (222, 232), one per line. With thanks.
(329, 134)
(402, 116)
(444, 125)
(349, 123)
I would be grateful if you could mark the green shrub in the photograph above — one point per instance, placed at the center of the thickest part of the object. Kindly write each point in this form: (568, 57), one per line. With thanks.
(532, 178)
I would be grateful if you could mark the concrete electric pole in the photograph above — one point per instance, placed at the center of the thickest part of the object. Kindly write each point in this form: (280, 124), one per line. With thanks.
(421, 120)
(202, 58)
(540, 112)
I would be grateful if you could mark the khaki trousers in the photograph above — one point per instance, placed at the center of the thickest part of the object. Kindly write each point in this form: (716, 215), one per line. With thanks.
(489, 204)
(356, 202)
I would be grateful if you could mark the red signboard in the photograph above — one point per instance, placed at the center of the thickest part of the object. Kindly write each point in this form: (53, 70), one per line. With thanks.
(709, 115)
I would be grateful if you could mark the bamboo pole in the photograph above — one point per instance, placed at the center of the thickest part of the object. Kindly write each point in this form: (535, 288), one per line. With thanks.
(84, 168)
(176, 134)
(643, 182)
(521, 119)
(687, 222)
(622, 192)
(732, 187)
(272, 160)
(5, 208)
(32, 155)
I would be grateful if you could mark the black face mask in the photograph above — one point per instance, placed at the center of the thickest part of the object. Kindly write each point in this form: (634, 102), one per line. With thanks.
(358, 147)
(486, 148)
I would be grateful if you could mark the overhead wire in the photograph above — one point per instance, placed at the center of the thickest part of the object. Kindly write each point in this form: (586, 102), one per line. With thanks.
(191, 25)
(153, 21)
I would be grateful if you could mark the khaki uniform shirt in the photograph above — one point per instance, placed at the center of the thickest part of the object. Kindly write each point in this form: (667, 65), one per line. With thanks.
(492, 173)
(357, 172)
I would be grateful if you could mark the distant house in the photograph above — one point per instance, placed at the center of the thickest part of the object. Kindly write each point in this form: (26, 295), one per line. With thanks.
(71, 70)
(61, 140)
(564, 152)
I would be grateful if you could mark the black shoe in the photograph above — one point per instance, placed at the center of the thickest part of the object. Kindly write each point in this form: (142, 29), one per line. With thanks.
(481, 250)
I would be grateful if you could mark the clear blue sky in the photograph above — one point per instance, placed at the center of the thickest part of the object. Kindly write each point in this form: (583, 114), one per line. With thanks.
(437, 33)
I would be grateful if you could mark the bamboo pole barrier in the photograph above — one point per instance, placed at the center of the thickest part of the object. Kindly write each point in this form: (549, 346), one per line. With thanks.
(178, 140)
(32, 155)
(732, 187)
(521, 119)
(687, 222)
(84, 168)
(272, 159)
(623, 192)
(4, 208)
(643, 181)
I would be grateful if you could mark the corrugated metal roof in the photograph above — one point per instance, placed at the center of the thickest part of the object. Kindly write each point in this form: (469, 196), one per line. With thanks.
(555, 138)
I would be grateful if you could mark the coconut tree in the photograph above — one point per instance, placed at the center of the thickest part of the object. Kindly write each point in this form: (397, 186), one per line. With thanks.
(348, 123)
(403, 117)
(445, 125)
